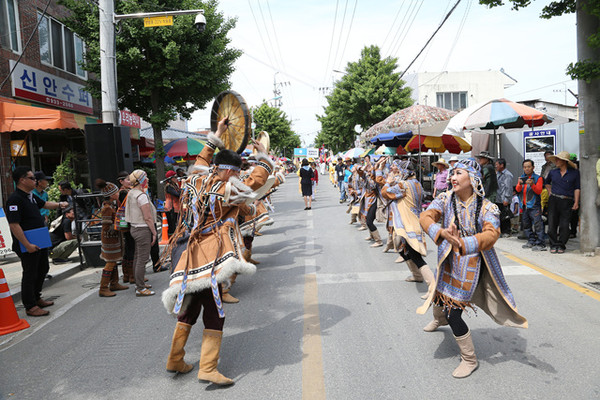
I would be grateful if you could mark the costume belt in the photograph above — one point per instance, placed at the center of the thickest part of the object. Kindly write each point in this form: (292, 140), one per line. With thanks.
(217, 225)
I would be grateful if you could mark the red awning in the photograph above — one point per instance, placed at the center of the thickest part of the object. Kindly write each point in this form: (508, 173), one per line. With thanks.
(17, 117)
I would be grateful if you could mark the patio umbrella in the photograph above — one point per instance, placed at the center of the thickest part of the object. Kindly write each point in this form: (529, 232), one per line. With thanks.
(419, 119)
(368, 152)
(184, 147)
(383, 150)
(495, 114)
(354, 152)
(392, 139)
(438, 144)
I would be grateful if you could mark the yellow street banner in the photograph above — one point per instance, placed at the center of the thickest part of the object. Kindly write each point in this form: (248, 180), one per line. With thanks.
(158, 21)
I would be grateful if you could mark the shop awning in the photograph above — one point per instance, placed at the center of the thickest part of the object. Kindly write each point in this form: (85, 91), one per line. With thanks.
(17, 117)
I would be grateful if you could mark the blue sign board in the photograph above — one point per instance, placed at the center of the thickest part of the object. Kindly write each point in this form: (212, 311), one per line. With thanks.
(536, 143)
(300, 152)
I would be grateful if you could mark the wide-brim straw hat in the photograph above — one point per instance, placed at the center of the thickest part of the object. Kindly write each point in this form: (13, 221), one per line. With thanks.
(565, 156)
(442, 162)
(485, 154)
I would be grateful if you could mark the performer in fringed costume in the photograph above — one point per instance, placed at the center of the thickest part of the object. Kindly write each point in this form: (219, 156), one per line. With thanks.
(355, 190)
(111, 249)
(469, 272)
(369, 199)
(207, 250)
(406, 194)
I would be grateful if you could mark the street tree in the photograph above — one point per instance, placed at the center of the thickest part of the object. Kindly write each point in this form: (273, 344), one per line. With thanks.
(369, 91)
(161, 71)
(276, 122)
(587, 71)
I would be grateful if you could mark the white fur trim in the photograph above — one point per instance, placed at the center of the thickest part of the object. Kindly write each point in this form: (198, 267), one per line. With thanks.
(281, 177)
(200, 169)
(264, 158)
(228, 268)
(216, 141)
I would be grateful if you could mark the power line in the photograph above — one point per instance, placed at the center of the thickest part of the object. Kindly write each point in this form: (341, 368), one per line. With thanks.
(401, 27)
(268, 34)
(349, 30)
(331, 43)
(421, 51)
(337, 49)
(26, 45)
(460, 29)
(407, 30)
(259, 32)
(392, 25)
(277, 70)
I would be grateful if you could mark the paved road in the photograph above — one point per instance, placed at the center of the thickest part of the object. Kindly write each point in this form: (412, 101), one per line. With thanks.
(324, 317)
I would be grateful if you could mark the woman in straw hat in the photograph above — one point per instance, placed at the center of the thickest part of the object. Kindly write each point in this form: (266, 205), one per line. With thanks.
(441, 178)
(469, 272)
(564, 186)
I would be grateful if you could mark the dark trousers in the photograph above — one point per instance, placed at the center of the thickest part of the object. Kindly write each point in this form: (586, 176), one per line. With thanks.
(574, 221)
(504, 222)
(533, 227)
(413, 255)
(35, 267)
(210, 317)
(457, 324)
(559, 216)
(172, 219)
(129, 253)
(371, 213)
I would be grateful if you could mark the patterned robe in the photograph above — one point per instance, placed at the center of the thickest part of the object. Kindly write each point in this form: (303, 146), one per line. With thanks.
(216, 240)
(405, 209)
(473, 275)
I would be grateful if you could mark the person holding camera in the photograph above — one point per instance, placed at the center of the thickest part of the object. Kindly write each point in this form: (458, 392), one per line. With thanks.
(531, 186)
(23, 215)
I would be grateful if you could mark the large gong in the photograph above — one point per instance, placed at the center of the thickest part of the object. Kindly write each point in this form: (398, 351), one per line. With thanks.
(232, 105)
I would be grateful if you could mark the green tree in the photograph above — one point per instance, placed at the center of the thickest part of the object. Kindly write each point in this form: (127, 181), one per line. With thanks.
(161, 71)
(277, 124)
(368, 93)
(587, 71)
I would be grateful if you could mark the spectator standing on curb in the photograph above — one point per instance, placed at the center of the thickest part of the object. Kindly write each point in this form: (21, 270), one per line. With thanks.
(172, 194)
(24, 214)
(504, 196)
(41, 184)
(564, 187)
(339, 179)
(490, 183)
(531, 185)
(441, 178)
(548, 166)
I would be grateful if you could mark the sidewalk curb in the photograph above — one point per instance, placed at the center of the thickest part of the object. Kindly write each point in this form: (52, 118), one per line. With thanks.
(57, 276)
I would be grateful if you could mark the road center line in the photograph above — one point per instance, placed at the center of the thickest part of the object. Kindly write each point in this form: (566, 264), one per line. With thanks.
(313, 381)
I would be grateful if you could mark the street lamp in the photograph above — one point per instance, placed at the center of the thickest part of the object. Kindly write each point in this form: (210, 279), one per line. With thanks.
(108, 58)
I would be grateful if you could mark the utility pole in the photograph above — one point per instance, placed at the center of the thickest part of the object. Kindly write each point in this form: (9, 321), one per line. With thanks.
(277, 90)
(108, 62)
(589, 141)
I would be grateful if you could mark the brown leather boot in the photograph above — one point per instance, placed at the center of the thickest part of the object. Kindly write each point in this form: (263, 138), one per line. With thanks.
(352, 219)
(175, 361)
(127, 270)
(468, 362)
(227, 297)
(439, 319)
(209, 358)
(370, 237)
(416, 274)
(389, 245)
(104, 281)
(377, 239)
(429, 279)
(114, 281)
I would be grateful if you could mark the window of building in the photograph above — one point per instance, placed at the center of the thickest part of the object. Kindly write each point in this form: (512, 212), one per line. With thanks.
(60, 47)
(452, 100)
(9, 25)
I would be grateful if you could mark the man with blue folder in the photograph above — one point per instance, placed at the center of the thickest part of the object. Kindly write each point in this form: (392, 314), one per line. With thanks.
(24, 219)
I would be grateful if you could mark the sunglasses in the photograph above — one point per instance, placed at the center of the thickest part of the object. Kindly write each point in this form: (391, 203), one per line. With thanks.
(30, 177)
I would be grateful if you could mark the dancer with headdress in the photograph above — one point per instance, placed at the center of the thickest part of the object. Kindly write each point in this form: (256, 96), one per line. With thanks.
(406, 194)
(469, 272)
(207, 250)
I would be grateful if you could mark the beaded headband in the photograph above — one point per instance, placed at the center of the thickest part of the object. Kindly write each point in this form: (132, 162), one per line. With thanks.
(229, 167)
(474, 170)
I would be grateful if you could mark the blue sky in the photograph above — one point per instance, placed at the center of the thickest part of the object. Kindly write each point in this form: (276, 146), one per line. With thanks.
(296, 37)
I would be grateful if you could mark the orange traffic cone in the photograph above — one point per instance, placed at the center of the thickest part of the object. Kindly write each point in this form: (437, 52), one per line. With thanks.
(164, 236)
(9, 320)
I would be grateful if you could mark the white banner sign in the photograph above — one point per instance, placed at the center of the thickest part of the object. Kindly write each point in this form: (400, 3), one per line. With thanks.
(5, 237)
(312, 153)
(39, 86)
